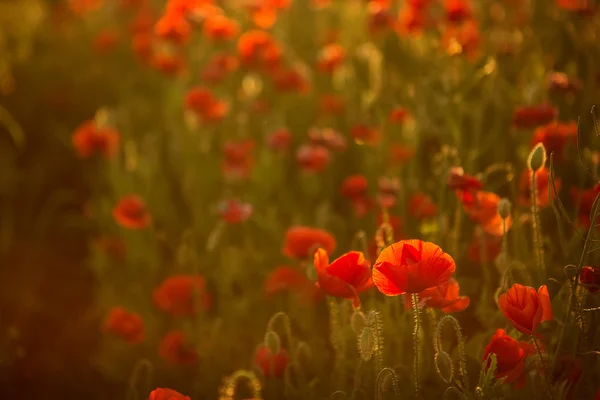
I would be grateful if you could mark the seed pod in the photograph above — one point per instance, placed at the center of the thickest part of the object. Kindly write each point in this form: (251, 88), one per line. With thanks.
(444, 366)
(366, 343)
(537, 157)
(504, 207)
(272, 342)
(358, 322)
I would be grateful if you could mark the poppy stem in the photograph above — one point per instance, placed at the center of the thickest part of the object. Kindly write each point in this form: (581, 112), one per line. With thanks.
(416, 342)
(537, 237)
(544, 368)
(132, 392)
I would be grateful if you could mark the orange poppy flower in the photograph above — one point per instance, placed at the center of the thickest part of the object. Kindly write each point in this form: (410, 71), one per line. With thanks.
(219, 27)
(279, 140)
(312, 158)
(263, 15)
(411, 20)
(124, 324)
(169, 63)
(331, 57)
(555, 137)
(176, 350)
(366, 134)
(482, 208)
(292, 280)
(205, 105)
(590, 278)
(411, 266)
(510, 358)
(421, 206)
(259, 49)
(532, 116)
(81, 7)
(379, 17)
(444, 297)
(271, 365)
(579, 6)
(167, 394)
(173, 27)
(235, 211)
(541, 183)
(458, 180)
(457, 11)
(302, 241)
(561, 83)
(106, 40)
(525, 308)
(131, 213)
(354, 186)
(89, 139)
(182, 295)
(463, 39)
(345, 277)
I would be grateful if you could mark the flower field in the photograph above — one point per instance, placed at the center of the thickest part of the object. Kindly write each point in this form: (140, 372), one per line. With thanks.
(313, 199)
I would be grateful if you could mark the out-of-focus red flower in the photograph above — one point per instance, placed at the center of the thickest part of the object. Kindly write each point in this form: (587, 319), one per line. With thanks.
(458, 11)
(354, 186)
(331, 57)
(421, 206)
(124, 324)
(141, 45)
(583, 7)
(220, 28)
(218, 67)
(561, 83)
(234, 211)
(362, 205)
(401, 154)
(484, 249)
(238, 160)
(568, 369)
(345, 277)
(175, 349)
(463, 39)
(541, 183)
(302, 241)
(182, 295)
(388, 189)
(142, 23)
(331, 104)
(395, 222)
(366, 134)
(289, 80)
(584, 198)
(482, 208)
(327, 137)
(380, 18)
(271, 365)
(590, 278)
(398, 115)
(106, 40)
(173, 27)
(279, 140)
(444, 297)
(167, 394)
(312, 158)
(259, 49)
(411, 20)
(555, 137)
(168, 62)
(205, 105)
(533, 116)
(411, 266)
(113, 247)
(458, 180)
(131, 213)
(510, 357)
(292, 280)
(90, 139)
(525, 307)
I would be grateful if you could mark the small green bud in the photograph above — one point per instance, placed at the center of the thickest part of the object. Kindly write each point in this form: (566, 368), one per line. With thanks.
(537, 158)
(444, 366)
(504, 207)
(272, 342)
(358, 322)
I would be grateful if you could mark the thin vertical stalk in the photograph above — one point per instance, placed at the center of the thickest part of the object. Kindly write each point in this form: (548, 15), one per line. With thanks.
(537, 237)
(416, 343)
(544, 368)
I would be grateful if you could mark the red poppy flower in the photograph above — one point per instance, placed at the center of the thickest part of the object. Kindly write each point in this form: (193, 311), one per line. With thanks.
(301, 242)
(238, 160)
(279, 140)
(510, 357)
(462, 39)
(561, 83)
(458, 180)
(590, 278)
(176, 350)
(258, 49)
(106, 40)
(292, 280)
(220, 28)
(568, 369)
(401, 154)
(354, 186)
(131, 213)
(491, 244)
(525, 308)
(271, 365)
(328, 138)
(89, 139)
(482, 208)
(345, 277)
(457, 11)
(398, 115)
(411, 266)
(218, 67)
(584, 7)
(312, 158)
(444, 297)
(167, 394)
(111, 246)
(411, 20)
(168, 62)
(421, 206)
(555, 137)
(331, 104)
(366, 134)
(205, 105)
(380, 18)
(362, 205)
(234, 211)
(532, 116)
(289, 80)
(585, 199)
(124, 324)
(331, 57)
(541, 182)
(141, 45)
(173, 27)
(182, 295)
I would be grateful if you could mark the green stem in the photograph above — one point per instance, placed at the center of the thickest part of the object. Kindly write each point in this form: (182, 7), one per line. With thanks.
(537, 241)
(416, 342)
(544, 368)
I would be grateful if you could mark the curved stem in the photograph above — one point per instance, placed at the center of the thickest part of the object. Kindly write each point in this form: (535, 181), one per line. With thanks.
(416, 343)
(462, 362)
(544, 369)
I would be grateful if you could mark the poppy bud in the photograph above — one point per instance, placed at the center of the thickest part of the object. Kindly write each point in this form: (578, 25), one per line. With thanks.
(444, 366)
(303, 353)
(358, 322)
(504, 206)
(272, 342)
(366, 343)
(537, 157)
